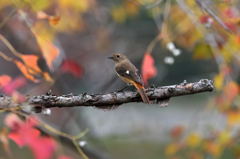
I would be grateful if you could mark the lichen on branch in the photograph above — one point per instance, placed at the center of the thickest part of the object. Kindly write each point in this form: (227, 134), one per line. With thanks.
(110, 100)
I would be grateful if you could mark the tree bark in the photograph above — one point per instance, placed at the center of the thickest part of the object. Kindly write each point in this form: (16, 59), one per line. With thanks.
(110, 100)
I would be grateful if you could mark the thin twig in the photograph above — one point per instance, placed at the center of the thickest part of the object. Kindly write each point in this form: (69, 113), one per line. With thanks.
(74, 139)
(10, 15)
(152, 44)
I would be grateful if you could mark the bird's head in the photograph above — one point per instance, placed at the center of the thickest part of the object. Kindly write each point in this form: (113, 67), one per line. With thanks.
(117, 57)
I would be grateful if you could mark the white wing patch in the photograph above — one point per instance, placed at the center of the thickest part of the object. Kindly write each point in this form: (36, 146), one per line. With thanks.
(127, 72)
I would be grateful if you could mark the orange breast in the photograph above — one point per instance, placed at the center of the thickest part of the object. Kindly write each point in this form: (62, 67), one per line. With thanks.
(129, 81)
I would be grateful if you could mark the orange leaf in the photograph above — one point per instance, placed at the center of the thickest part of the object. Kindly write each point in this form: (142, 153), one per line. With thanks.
(54, 20)
(49, 50)
(233, 117)
(231, 90)
(25, 71)
(4, 80)
(213, 148)
(30, 68)
(238, 39)
(31, 62)
(47, 77)
(148, 68)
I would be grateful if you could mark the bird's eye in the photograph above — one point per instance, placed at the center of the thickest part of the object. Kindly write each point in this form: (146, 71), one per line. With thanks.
(118, 56)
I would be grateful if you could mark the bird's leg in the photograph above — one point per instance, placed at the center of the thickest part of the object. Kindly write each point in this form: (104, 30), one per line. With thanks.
(152, 86)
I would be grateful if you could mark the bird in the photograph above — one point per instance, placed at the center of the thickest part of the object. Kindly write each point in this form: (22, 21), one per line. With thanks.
(127, 72)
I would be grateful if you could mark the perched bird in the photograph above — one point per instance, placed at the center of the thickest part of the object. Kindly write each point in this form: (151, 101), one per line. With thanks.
(129, 74)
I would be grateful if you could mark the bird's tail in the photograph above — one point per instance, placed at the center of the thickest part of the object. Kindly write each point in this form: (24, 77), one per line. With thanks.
(143, 94)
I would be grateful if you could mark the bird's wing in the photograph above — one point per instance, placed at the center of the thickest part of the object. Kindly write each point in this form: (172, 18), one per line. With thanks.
(129, 71)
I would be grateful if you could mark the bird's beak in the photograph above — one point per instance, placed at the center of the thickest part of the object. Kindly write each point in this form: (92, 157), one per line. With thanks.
(110, 57)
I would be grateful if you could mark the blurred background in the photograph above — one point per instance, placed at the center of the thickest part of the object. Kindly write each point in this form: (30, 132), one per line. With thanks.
(66, 44)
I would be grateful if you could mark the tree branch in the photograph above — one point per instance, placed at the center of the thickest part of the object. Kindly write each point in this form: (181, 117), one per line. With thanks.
(110, 100)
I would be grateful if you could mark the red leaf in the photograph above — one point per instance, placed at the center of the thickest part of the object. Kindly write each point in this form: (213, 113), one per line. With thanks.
(24, 136)
(13, 121)
(177, 131)
(23, 133)
(13, 85)
(231, 26)
(148, 68)
(204, 19)
(43, 147)
(4, 79)
(229, 13)
(72, 67)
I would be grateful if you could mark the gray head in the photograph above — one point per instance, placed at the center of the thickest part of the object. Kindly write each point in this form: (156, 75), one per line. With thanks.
(117, 57)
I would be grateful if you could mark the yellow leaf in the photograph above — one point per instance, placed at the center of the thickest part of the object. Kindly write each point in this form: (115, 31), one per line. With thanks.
(202, 51)
(4, 3)
(147, 2)
(132, 9)
(218, 81)
(45, 41)
(193, 140)
(171, 149)
(77, 5)
(230, 48)
(185, 32)
(119, 14)
(35, 5)
(39, 4)
(224, 138)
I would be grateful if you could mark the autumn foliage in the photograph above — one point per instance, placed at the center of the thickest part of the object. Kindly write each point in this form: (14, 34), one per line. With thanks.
(37, 52)
(148, 68)
(24, 133)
